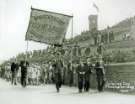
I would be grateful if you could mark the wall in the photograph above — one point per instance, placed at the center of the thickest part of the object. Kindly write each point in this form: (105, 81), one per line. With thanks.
(119, 78)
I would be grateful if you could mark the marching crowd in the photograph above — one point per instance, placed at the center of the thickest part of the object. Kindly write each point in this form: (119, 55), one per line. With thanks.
(55, 71)
(83, 71)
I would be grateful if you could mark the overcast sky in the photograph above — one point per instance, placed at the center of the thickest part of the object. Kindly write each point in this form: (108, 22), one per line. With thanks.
(14, 18)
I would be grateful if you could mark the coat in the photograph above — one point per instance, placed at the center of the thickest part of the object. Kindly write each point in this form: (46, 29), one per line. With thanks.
(13, 67)
(99, 70)
(81, 72)
(57, 73)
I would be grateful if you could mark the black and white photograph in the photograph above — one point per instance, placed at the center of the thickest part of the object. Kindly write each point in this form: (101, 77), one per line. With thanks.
(67, 51)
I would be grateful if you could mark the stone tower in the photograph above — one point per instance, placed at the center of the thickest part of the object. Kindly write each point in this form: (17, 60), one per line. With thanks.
(93, 22)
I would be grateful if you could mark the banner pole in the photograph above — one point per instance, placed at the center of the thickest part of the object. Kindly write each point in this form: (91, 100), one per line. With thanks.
(72, 27)
(73, 46)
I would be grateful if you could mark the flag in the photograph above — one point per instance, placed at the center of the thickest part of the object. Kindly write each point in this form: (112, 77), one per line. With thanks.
(96, 7)
(47, 27)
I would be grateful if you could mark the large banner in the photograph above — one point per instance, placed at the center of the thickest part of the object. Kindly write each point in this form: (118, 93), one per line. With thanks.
(47, 27)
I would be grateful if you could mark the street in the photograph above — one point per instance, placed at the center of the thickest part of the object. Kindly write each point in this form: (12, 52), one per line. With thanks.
(47, 95)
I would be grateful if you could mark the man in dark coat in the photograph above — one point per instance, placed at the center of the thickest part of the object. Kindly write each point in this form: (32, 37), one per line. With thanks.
(2, 71)
(14, 72)
(17, 69)
(70, 74)
(100, 75)
(87, 68)
(24, 65)
(57, 75)
(81, 75)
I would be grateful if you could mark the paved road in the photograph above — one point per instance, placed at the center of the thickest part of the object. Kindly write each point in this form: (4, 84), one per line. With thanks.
(47, 95)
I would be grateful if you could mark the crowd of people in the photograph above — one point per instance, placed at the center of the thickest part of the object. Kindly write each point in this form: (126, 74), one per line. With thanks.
(56, 71)
(83, 71)
(23, 73)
